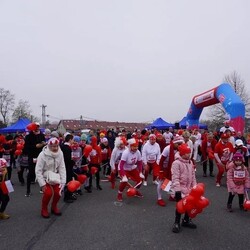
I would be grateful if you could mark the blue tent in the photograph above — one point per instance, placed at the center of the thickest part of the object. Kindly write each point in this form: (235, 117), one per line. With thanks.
(183, 124)
(20, 126)
(159, 123)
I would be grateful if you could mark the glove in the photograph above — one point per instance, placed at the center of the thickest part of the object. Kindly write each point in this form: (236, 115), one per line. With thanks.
(124, 178)
(142, 175)
(61, 186)
(178, 195)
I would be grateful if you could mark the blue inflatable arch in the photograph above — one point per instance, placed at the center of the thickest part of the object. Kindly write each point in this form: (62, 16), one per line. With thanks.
(230, 101)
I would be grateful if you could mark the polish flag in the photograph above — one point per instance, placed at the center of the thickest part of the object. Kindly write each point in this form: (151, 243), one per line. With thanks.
(166, 185)
(7, 187)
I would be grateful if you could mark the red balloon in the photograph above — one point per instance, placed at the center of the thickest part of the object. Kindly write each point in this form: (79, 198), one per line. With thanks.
(73, 185)
(193, 212)
(18, 152)
(93, 170)
(188, 202)
(202, 202)
(32, 126)
(131, 192)
(19, 146)
(78, 184)
(201, 184)
(246, 204)
(85, 168)
(87, 149)
(81, 178)
(180, 207)
(197, 191)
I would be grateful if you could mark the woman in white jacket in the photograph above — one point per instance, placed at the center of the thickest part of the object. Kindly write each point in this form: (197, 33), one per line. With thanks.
(120, 146)
(51, 176)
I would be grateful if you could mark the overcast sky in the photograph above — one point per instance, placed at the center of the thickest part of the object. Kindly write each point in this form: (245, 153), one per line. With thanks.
(120, 60)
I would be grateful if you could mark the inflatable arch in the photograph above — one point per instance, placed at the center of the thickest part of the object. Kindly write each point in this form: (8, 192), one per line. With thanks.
(230, 101)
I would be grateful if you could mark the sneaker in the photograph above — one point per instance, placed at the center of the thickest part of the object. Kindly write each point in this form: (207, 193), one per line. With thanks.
(188, 223)
(79, 192)
(41, 191)
(176, 228)
(99, 187)
(155, 182)
(229, 208)
(161, 203)
(217, 184)
(145, 183)
(204, 175)
(138, 194)
(73, 197)
(68, 201)
(27, 194)
(88, 189)
(4, 216)
(211, 175)
(119, 197)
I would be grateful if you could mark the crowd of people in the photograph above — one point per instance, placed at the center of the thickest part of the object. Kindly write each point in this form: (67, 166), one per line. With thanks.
(126, 161)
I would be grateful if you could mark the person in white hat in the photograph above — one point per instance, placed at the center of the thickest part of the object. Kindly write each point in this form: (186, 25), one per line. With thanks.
(130, 166)
(240, 148)
(51, 160)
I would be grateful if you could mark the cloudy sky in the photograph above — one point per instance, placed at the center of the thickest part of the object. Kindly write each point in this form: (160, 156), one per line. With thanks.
(120, 60)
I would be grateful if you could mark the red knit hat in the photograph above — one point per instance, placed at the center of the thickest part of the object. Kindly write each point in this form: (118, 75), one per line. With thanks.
(184, 149)
(238, 157)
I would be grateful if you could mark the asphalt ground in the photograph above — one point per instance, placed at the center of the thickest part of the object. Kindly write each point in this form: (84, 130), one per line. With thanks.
(97, 221)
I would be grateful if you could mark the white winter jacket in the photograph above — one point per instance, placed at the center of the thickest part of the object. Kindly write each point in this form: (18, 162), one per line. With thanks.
(49, 161)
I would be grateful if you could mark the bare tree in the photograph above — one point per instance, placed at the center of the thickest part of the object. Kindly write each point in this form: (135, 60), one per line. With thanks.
(7, 102)
(239, 87)
(21, 111)
(217, 113)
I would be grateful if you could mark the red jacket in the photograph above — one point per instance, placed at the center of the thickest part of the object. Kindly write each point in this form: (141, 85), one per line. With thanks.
(224, 151)
(205, 148)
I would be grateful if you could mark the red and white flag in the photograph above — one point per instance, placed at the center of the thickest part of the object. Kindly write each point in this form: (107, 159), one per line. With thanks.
(7, 187)
(166, 185)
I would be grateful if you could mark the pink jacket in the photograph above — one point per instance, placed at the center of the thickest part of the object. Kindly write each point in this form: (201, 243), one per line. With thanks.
(237, 179)
(183, 176)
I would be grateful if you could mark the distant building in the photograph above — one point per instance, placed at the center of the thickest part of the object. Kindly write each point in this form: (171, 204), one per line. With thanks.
(78, 125)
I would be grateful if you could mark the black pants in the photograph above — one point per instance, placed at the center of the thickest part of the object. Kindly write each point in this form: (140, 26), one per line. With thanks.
(106, 167)
(12, 161)
(231, 197)
(211, 166)
(31, 175)
(97, 175)
(4, 200)
(9, 171)
(178, 215)
(20, 174)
